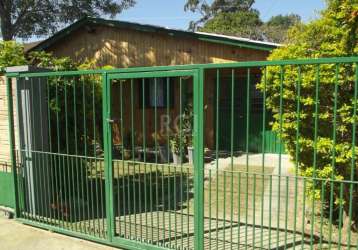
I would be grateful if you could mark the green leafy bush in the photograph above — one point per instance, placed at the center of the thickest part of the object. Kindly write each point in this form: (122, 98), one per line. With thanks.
(334, 34)
(11, 54)
(87, 90)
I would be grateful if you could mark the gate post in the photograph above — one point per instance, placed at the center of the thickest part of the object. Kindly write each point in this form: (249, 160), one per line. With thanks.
(12, 143)
(199, 160)
(107, 131)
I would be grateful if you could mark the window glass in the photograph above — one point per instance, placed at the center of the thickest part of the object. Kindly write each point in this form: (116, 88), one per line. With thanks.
(156, 96)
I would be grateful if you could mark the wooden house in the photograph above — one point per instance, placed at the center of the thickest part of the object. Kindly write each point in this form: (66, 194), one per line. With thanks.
(124, 44)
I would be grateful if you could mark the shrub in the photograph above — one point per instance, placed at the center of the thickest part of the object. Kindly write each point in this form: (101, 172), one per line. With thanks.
(11, 54)
(334, 34)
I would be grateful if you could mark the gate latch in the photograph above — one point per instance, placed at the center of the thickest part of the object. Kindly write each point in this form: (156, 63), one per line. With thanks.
(113, 120)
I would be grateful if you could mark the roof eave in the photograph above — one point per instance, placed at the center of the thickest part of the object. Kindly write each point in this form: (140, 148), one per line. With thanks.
(149, 28)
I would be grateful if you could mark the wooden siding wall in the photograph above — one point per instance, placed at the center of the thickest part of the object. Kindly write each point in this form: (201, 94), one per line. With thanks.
(121, 47)
(4, 123)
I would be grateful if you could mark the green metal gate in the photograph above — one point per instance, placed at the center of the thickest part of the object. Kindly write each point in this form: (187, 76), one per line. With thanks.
(151, 201)
(143, 158)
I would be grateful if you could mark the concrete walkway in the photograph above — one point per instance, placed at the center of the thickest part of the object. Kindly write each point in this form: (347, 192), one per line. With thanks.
(16, 236)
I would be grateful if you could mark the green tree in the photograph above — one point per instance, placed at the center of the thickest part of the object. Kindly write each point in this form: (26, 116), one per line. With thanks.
(209, 11)
(239, 18)
(11, 53)
(245, 24)
(276, 28)
(285, 21)
(25, 18)
(334, 34)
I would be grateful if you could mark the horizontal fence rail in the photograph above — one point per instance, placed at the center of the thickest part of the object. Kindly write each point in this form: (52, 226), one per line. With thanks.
(248, 155)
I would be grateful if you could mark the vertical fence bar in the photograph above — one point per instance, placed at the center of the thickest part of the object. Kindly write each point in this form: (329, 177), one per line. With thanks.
(217, 152)
(181, 102)
(263, 156)
(316, 113)
(12, 142)
(78, 162)
(224, 208)
(107, 136)
(323, 186)
(67, 164)
(340, 215)
(58, 158)
(156, 157)
(95, 174)
(303, 213)
(297, 148)
(232, 152)
(52, 163)
(84, 110)
(32, 155)
(280, 156)
(286, 209)
(254, 210)
(199, 159)
(331, 202)
(25, 154)
(239, 208)
(133, 155)
(354, 127)
(144, 159)
(270, 209)
(247, 152)
(124, 200)
(167, 128)
(43, 154)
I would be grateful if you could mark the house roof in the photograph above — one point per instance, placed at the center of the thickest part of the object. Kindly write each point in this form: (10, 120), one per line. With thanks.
(208, 37)
(30, 46)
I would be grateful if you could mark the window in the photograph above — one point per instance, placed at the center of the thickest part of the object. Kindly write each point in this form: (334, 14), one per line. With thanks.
(156, 93)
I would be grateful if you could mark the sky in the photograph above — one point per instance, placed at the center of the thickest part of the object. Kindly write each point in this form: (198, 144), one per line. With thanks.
(170, 13)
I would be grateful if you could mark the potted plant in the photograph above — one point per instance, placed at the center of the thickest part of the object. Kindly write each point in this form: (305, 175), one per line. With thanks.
(188, 119)
(162, 146)
(190, 149)
(127, 145)
(175, 148)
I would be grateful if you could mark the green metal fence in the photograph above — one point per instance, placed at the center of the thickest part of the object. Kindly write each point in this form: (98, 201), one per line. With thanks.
(142, 158)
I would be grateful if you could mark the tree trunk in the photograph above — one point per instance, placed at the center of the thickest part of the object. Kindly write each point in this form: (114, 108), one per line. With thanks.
(5, 21)
(6, 34)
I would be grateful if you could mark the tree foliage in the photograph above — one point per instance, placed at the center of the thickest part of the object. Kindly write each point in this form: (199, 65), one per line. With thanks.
(11, 53)
(88, 89)
(239, 18)
(285, 21)
(244, 24)
(209, 11)
(25, 18)
(276, 28)
(334, 34)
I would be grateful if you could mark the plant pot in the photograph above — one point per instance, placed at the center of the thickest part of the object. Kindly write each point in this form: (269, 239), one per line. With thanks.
(127, 154)
(191, 155)
(163, 154)
(177, 159)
